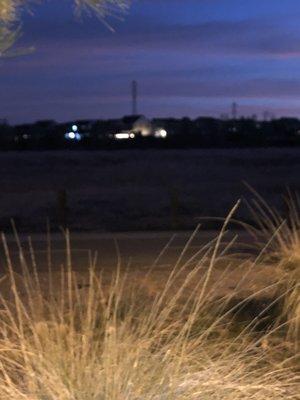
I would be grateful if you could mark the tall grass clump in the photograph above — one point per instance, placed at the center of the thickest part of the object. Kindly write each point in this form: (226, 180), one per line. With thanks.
(281, 232)
(106, 340)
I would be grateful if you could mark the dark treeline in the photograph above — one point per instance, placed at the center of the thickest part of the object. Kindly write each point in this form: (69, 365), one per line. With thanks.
(182, 133)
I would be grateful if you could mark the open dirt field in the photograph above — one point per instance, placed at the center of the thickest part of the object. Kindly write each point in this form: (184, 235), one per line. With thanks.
(138, 190)
(138, 253)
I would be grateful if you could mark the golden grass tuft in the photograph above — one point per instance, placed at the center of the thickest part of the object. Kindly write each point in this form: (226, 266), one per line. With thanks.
(282, 235)
(110, 341)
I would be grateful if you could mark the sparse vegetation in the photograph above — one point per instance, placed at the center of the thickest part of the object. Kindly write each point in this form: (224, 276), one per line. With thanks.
(277, 235)
(105, 336)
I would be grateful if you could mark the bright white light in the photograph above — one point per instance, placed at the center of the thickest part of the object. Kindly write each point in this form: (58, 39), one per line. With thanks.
(132, 135)
(74, 128)
(161, 133)
(71, 135)
(121, 136)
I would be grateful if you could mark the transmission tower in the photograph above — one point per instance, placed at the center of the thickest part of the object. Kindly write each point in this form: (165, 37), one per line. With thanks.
(234, 110)
(134, 93)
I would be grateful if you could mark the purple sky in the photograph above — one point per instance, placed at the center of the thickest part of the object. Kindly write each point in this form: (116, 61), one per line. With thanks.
(190, 58)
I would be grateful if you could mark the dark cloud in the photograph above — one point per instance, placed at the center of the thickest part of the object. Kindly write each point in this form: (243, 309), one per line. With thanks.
(246, 37)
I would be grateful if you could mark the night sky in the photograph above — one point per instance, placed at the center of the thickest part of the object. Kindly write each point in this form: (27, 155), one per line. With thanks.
(190, 58)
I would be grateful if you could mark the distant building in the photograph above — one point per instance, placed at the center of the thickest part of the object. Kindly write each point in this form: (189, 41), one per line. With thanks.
(135, 126)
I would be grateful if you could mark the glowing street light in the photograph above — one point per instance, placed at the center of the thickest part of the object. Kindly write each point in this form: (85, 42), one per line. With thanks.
(161, 133)
(73, 136)
(124, 135)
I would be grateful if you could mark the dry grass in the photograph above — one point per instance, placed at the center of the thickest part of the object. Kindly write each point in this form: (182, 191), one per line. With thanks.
(109, 340)
(281, 231)
(282, 235)
(103, 8)
(10, 11)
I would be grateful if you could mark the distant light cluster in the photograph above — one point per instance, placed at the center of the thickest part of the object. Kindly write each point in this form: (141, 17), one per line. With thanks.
(140, 126)
(73, 134)
(124, 135)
